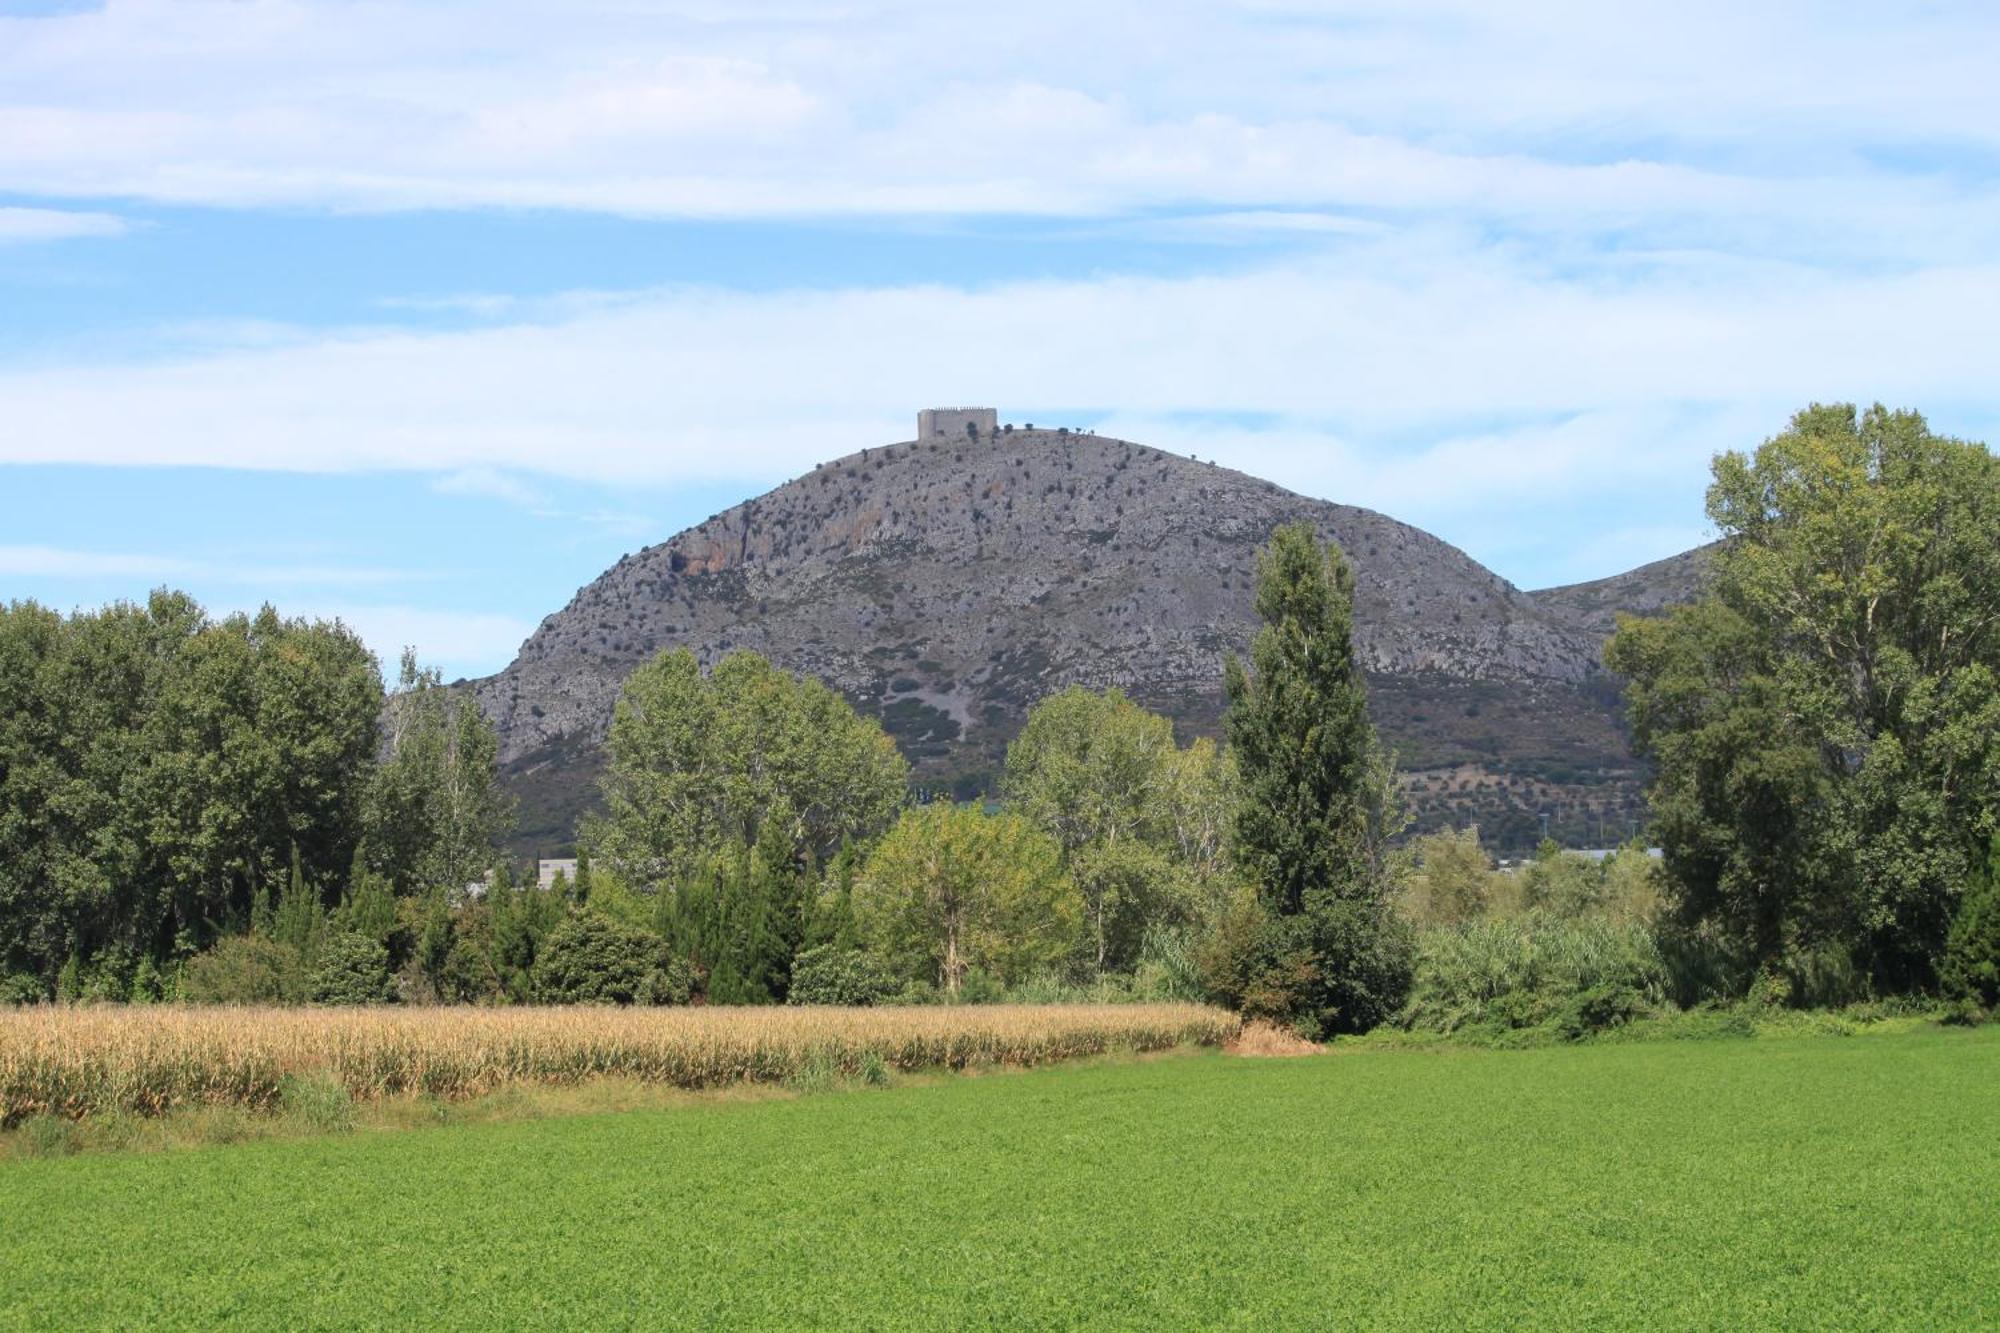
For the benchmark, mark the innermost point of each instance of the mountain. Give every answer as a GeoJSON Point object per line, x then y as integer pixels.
{"type": "Point", "coordinates": [1594, 607]}
{"type": "Point", "coordinates": [946, 584]}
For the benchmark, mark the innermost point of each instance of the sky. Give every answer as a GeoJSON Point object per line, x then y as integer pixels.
{"type": "Point", "coordinates": [421, 315]}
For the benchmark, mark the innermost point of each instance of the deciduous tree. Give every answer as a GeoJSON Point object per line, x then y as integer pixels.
{"type": "Point", "coordinates": [950, 888]}
{"type": "Point", "coordinates": [1826, 718]}
{"type": "Point", "coordinates": [699, 762]}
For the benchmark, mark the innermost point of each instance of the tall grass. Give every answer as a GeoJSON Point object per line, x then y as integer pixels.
{"type": "Point", "coordinates": [149, 1061]}
{"type": "Point", "coordinates": [1538, 968]}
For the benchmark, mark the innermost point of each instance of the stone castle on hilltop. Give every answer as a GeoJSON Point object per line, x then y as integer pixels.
{"type": "Point", "coordinates": [958, 423]}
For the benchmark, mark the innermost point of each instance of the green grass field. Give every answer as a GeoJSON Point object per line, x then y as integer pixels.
{"type": "Point", "coordinates": [1740, 1184]}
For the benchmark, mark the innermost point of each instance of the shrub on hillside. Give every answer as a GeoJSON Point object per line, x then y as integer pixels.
{"type": "Point", "coordinates": [830, 974]}
{"type": "Point", "coordinates": [245, 969]}
{"type": "Point", "coordinates": [591, 959]}
{"type": "Point", "coordinates": [352, 969]}
{"type": "Point", "coordinates": [1575, 975]}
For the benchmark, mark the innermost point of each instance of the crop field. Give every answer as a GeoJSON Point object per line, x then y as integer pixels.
{"type": "Point", "coordinates": [150, 1061]}
{"type": "Point", "coordinates": [1818, 1182]}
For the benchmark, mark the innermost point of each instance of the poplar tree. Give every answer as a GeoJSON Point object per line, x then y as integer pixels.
{"type": "Point", "coordinates": [1317, 800]}
{"type": "Point", "coordinates": [1825, 719]}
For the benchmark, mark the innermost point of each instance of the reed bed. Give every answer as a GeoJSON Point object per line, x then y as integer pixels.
{"type": "Point", "coordinates": [76, 1062]}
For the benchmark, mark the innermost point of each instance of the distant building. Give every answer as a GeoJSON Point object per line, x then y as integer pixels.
{"type": "Point", "coordinates": [958, 423]}
{"type": "Point", "coordinates": [548, 868]}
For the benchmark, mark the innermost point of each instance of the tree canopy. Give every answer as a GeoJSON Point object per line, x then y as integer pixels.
{"type": "Point", "coordinates": [1826, 718]}
{"type": "Point", "coordinates": [1141, 822]}
{"type": "Point", "coordinates": [950, 889]}
{"type": "Point", "coordinates": [1313, 815]}
{"type": "Point", "coordinates": [700, 762]}
{"type": "Point", "coordinates": [1316, 806]}
{"type": "Point", "coordinates": [159, 771]}
{"type": "Point", "coordinates": [435, 810]}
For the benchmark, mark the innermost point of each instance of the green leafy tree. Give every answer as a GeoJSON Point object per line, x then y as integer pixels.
{"type": "Point", "coordinates": [470, 974]}
{"type": "Point", "coordinates": [1561, 882]}
{"type": "Point", "coordinates": [159, 771]}
{"type": "Point", "coordinates": [1126, 889]}
{"type": "Point", "coordinates": [592, 959]}
{"type": "Point", "coordinates": [1141, 823]}
{"type": "Point", "coordinates": [245, 969]}
{"type": "Point", "coordinates": [1091, 768]}
{"type": "Point", "coordinates": [700, 763]}
{"type": "Point", "coordinates": [1971, 971]}
{"type": "Point", "coordinates": [950, 889]}
{"type": "Point", "coordinates": [832, 919]}
{"type": "Point", "coordinates": [1825, 720]}
{"type": "Point", "coordinates": [1317, 804]}
{"type": "Point", "coordinates": [300, 919]}
{"type": "Point", "coordinates": [435, 809]}
{"type": "Point", "coordinates": [369, 907]}
{"type": "Point", "coordinates": [519, 920]}
{"type": "Point", "coordinates": [830, 974]}
{"type": "Point", "coordinates": [352, 969]}
{"type": "Point", "coordinates": [1451, 879]}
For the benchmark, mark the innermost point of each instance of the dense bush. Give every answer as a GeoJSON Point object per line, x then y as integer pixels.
{"type": "Point", "coordinates": [591, 959]}
{"type": "Point", "coordinates": [352, 969]}
{"type": "Point", "coordinates": [1576, 975]}
{"type": "Point", "coordinates": [1339, 966]}
{"type": "Point", "coordinates": [832, 975]}
{"type": "Point", "coordinates": [245, 969]}
{"type": "Point", "coordinates": [1970, 975]}
{"type": "Point", "coordinates": [21, 988]}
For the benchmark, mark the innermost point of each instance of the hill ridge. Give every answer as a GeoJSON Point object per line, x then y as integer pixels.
{"type": "Point", "coordinates": [945, 585]}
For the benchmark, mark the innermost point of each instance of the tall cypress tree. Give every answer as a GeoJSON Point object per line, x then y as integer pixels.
{"type": "Point", "coordinates": [1300, 730]}
{"type": "Point", "coordinates": [1317, 804]}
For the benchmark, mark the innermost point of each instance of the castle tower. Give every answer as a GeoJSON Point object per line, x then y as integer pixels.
{"type": "Point", "coordinates": [957, 423]}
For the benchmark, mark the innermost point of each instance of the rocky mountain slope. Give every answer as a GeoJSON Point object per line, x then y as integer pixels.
{"type": "Point", "coordinates": [1647, 590]}
{"type": "Point", "coordinates": [946, 585]}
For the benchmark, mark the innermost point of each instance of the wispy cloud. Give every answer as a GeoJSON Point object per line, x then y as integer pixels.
{"type": "Point", "coordinates": [1452, 383]}
{"type": "Point", "coordinates": [488, 483]}
{"type": "Point", "coordinates": [1672, 119]}
{"type": "Point", "coordinates": [524, 493]}
{"type": "Point", "coordinates": [63, 563]}
{"type": "Point", "coordinates": [21, 226]}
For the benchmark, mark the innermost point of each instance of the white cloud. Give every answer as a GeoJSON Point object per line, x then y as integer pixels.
{"type": "Point", "coordinates": [20, 226]}
{"type": "Point", "coordinates": [1672, 117]}
{"type": "Point", "coordinates": [487, 483]}
{"type": "Point", "coordinates": [1544, 253]}
{"type": "Point", "coordinates": [1459, 386]}
{"type": "Point", "coordinates": [55, 562]}
{"type": "Point", "coordinates": [65, 563]}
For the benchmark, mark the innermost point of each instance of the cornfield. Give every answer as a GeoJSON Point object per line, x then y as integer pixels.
{"type": "Point", "coordinates": [149, 1061]}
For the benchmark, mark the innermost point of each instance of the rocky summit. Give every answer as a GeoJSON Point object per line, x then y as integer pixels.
{"type": "Point", "coordinates": [945, 585]}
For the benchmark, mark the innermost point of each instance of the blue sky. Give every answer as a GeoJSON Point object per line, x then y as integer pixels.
{"type": "Point", "coordinates": [421, 315]}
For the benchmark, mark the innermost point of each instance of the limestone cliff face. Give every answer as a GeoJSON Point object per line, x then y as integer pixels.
{"type": "Point", "coordinates": [946, 586]}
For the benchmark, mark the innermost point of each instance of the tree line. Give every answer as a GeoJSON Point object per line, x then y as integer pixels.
{"type": "Point", "coordinates": [169, 781]}
{"type": "Point", "coordinates": [240, 810]}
